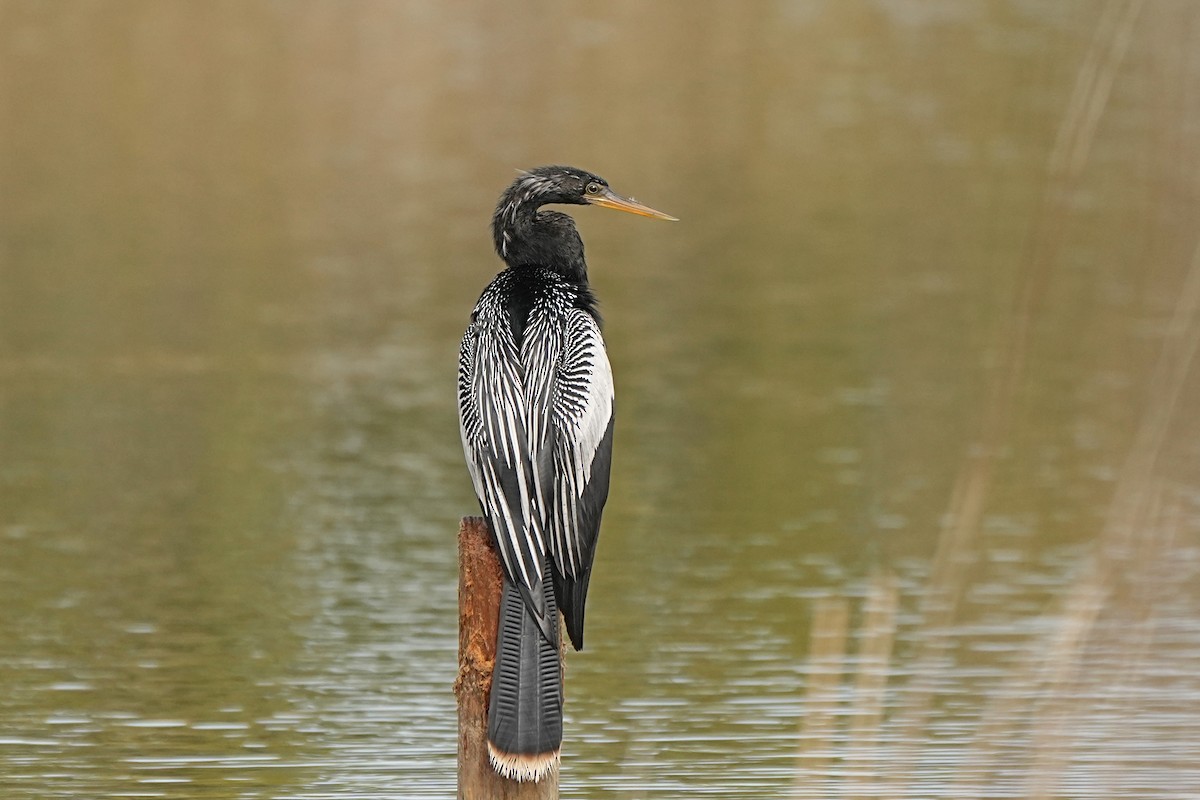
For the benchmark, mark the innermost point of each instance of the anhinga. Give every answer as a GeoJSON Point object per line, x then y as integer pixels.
{"type": "Point", "coordinates": [535, 397]}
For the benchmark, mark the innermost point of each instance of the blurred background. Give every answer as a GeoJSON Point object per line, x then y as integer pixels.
{"type": "Point", "coordinates": [906, 495]}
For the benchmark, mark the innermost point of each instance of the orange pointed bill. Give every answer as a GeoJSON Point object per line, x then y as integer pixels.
{"type": "Point", "coordinates": [610, 199]}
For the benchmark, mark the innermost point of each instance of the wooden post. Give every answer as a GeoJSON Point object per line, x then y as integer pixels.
{"type": "Point", "coordinates": [479, 583]}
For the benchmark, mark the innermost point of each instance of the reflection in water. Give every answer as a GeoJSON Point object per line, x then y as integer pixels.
{"type": "Point", "coordinates": [906, 493]}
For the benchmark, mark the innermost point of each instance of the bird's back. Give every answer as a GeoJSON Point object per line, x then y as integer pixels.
{"type": "Point", "coordinates": [536, 406]}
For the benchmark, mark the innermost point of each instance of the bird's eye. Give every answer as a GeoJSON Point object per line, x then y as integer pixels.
{"type": "Point", "coordinates": [593, 188]}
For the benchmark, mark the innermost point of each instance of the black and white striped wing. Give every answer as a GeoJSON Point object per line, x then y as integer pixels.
{"type": "Point", "coordinates": [582, 416]}
{"type": "Point", "coordinates": [493, 417]}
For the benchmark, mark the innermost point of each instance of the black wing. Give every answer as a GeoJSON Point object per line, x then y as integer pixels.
{"type": "Point", "coordinates": [495, 416]}
{"type": "Point", "coordinates": [582, 416]}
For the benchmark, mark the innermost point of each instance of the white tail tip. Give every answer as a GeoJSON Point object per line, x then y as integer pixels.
{"type": "Point", "coordinates": [523, 766]}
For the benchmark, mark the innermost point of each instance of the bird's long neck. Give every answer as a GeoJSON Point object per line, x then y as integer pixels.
{"type": "Point", "coordinates": [526, 236]}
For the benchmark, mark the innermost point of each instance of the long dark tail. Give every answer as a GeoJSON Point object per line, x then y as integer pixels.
{"type": "Point", "coordinates": [525, 710]}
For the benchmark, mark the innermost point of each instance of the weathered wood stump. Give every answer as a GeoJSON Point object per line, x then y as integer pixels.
{"type": "Point", "coordinates": [480, 580]}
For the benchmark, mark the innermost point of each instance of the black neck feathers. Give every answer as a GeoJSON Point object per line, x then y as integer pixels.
{"type": "Point", "coordinates": [525, 236]}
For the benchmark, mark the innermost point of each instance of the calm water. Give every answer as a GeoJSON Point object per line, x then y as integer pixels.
{"type": "Point", "coordinates": [906, 500]}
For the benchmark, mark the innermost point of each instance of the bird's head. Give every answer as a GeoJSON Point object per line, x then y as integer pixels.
{"type": "Point", "coordinates": [573, 186]}
{"type": "Point", "coordinates": [523, 235]}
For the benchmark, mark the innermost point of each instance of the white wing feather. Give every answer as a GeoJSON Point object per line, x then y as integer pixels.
{"type": "Point", "coordinates": [583, 410]}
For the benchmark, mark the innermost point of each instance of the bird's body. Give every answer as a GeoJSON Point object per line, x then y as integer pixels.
{"type": "Point", "coordinates": [535, 395]}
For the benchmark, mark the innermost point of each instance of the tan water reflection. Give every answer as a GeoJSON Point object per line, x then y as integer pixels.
{"type": "Point", "coordinates": [906, 492]}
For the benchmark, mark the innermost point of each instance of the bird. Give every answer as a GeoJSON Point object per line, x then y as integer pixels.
{"type": "Point", "coordinates": [536, 403]}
